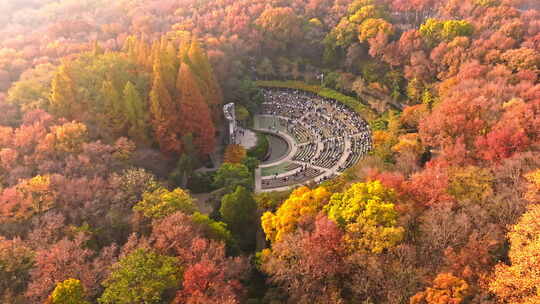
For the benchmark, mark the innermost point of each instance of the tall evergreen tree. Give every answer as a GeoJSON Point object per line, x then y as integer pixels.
{"type": "Point", "coordinates": [63, 95]}
{"type": "Point", "coordinates": [113, 102]}
{"type": "Point", "coordinates": [200, 65]}
{"type": "Point", "coordinates": [170, 63]}
{"type": "Point", "coordinates": [144, 53]}
{"type": "Point", "coordinates": [135, 112]}
{"type": "Point", "coordinates": [130, 47]}
{"type": "Point", "coordinates": [195, 117]}
{"type": "Point", "coordinates": [163, 114]}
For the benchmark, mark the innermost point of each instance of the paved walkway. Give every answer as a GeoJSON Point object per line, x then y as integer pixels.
{"type": "Point", "coordinates": [248, 140]}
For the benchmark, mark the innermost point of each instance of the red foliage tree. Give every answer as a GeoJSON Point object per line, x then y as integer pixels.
{"type": "Point", "coordinates": [310, 266]}
{"type": "Point", "coordinates": [210, 276]}
{"type": "Point", "coordinates": [68, 259]}
{"type": "Point", "coordinates": [517, 129]}
{"type": "Point", "coordinates": [429, 187]}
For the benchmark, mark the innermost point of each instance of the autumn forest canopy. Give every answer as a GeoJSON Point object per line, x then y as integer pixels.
{"type": "Point", "coordinates": [118, 183]}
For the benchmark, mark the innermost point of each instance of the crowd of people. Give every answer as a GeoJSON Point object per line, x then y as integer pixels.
{"type": "Point", "coordinates": [330, 137]}
{"type": "Point", "coordinates": [357, 149]}
{"type": "Point", "coordinates": [305, 173]}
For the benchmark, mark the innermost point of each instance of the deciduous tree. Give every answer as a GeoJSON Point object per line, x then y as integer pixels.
{"type": "Point", "coordinates": [195, 116]}
{"type": "Point", "coordinates": [143, 276]}
{"type": "Point", "coordinates": [446, 289]}
{"type": "Point", "coordinates": [211, 276]}
{"type": "Point", "coordinates": [208, 83]}
{"type": "Point", "coordinates": [16, 261]}
{"type": "Point", "coordinates": [68, 259]}
{"type": "Point", "coordinates": [69, 291]}
{"type": "Point", "coordinates": [309, 265]}
{"type": "Point", "coordinates": [162, 202]}
{"type": "Point", "coordinates": [366, 212]}
{"type": "Point", "coordinates": [136, 113]}
{"type": "Point", "coordinates": [234, 154]}
{"type": "Point", "coordinates": [303, 202]}
{"type": "Point", "coordinates": [229, 176]}
{"type": "Point", "coordinates": [63, 97]}
{"type": "Point", "coordinates": [238, 210]}
{"type": "Point", "coordinates": [164, 115]}
{"type": "Point", "coordinates": [518, 282]}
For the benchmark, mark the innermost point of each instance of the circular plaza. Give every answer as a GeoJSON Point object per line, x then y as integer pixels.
{"type": "Point", "coordinates": [311, 139]}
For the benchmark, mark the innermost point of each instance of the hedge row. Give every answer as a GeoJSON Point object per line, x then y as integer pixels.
{"type": "Point", "coordinates": [366, 112]}
{"type": "Point", "coordinates": [261, 149]}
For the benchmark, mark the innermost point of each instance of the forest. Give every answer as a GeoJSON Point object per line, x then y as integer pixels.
{"type": "Point", "coordinates": [111, 121]}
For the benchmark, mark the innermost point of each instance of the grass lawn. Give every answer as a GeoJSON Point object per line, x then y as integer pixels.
{"type": "Point", "coordinates": [281, 168]}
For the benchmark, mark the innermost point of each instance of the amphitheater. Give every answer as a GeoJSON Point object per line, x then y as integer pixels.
{"type": "Point", "coordinates": [311, 139]}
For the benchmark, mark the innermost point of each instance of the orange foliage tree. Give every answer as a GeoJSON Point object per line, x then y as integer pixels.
{"type": "Point", "coordinates": [164, 114]}
{"type": "Point", "coordinates": [195, 116]}
{"type": "Point", "coordinates": [234, 154]}
{"type": "Point", "coordinates": [210, 88]}
{"type": "Point", "coordinates": [446, 289]}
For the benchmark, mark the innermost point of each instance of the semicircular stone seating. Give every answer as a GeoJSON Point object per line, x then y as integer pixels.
{"type": "Point", "coordinates": [328, 136]}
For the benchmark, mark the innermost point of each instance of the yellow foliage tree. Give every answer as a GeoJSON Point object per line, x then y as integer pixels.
{"type": "Point", "coordinates": [66, 138]}
{"type": "Point", "coordinates": [62, 98]}
{"type": "Point", "coordinates": [409, 142]}
{"type": "Point", "coordinates": [533, 193]}
{"type": "Point", "coordinates": [70, 136]}
{"type": "Point", "coordinates": [366, 12]}
{"type": "Point", "coordinates": [303, 201]}
{"type": "Point", "coordinates": [37, 194]}
{"type": "Point", "coordinates": [371, 27]}
{"type": "Point", "coordinates": [471, 184]}
{"type": "Point", "coordinates": [367, 213]}
{"type": "Point", "coordinates": [412, 115]}
{"type": "Point", "coordinates": [162, 202]}
{"type": "Point", "coordinates": [69, 291]}
{"type": "Point", "coordinates": [384, 140]}
{"type": "Point", "coordinates": [519, 282]}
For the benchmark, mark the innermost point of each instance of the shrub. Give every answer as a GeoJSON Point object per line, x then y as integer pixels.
{"type": "Point", "coordinates": [201, 182]}
{"type": "Point", "coordinates": [261, 149]}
